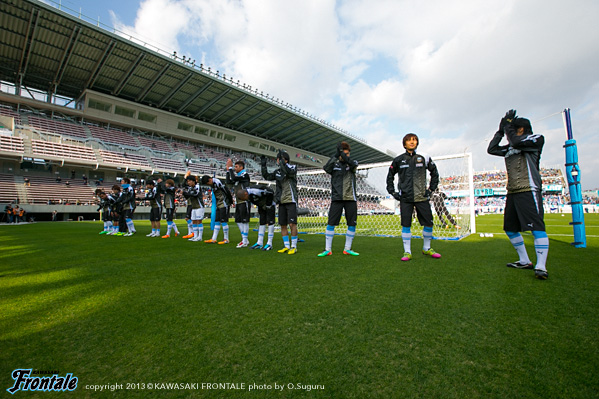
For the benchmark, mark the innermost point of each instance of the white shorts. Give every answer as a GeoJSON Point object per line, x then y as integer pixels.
{"type": "Point", "coordinates": [197, 214]}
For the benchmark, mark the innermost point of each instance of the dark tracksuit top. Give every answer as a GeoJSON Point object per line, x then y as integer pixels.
{"type": "Point", "coordinates": [411, 169]}
{"type": "Point", "coordinates": [239, 181]}
{"type": "Point", "coordinates": [221, 193]}
{"type": "Point", "coordinates": [343, 178]}
{"type": "Point", "coordinates": [522, 157]}
{"type": "Point", "coordinates": [194, 196]}
{"type": "Point", "coordinates": [286, 179]}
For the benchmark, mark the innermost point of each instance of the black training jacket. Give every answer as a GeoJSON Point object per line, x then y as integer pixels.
{"type": "Point", "coordinates": [411, 169]}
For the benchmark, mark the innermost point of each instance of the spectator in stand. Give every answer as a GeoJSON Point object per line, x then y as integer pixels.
{"type": "Point", "coordinates": [72, 174]}
{"type": "Point", "coordinates": [58, 179]}
{"type": "Point", "coordinates": [55, 215]}
{"type": "Point", "coordinates": [26, 182]}
{"type": "Point", "coordinates": [84, 180]}
{"type": "Point", "coordinates": [68, 183]}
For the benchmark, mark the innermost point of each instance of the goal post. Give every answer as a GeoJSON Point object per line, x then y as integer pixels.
{"type": "Point", "coordinates": [378, 212]}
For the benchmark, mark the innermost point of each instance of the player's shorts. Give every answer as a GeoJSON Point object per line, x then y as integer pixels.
{"type": "Point", "coordinates": [188, 213]}
{"type": "Point", "coordinates": [222, 215]}
{"type": "Point", "coordinates": [127, 213]}
{"type": "Point", "coordinates": [170, 213]}
{"type": "Point", "coordinates": [197, 214]}
{"type": "Point", "coordinates": [287, 214]}
{"type": "Point", "coordinates": [267, 216]}
{"type": "Point", "coordinates": [423, 212]}
{"type": "Point", "coordinates": [336, 209]}
{"type": "Point", "coordinates": [524, 211]}
{"type": "Point", "coordinates": [155, 214]}
{"type": "Point", "coordinates": [106, 216]}
{"type": "Point", "coordinates": [242, 212]}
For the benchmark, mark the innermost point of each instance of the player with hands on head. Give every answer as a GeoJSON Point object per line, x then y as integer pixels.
{"type": "Point", "coordinates": [524, 201]}
{"type": "Point", "coordinates": [343, 198]}
{"type": "Point", "coordinates": [193, 192]}
{"type": "Point", "coordinates": [239, 179]}
{"type": "Point", "coordinates": [223, 202]}
{"type": "Point", "coordinates": [413, 193]}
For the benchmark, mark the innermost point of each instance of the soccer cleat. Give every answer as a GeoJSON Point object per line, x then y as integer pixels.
{"type": "Point", "coordinates": [282, 251]}
{"type": "Point", "coordinates": [267, 247]}
{"type": "Point", "coordinates": [210, 241]}
{"type": "Point", "coordinates": [431, 252]}
{"type": "Point", "coordinates": [541, 274]}
{"type": "Point", "coordinates": [241, 245]}
{"type": "Point", "coordinates": [256, 246]}
{"type": "Point", "coordinates": [223, 242]}
{"type": "Point", "coordinates": [103, 232]}
{"type": "Point", "coordinates": [150, 235]}
{"type": "Point", "coordinates": [119, 234]}
{"type": "Point", "coordinates": [188, 236]}
{"type": "Point", "coordinates": [128, 234]}
{"type": "Point", "coordinates": [166, 236]}
{"type": "Point", "coordinates": [350, 252]}
{"type": "Point", "coordinates": [325, 253]}
{"type": "Point", "coordinates": [406, 257]}
{"type": "Point", "coordinates": [518, 265]}
{"type": "Point", "coordinates": [292, 251]}
{"type": "Point", "coordinates": [176, 233]}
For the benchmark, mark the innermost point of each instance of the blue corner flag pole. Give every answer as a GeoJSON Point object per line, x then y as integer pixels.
{"type": "Point", "coordinates": [573, 177]}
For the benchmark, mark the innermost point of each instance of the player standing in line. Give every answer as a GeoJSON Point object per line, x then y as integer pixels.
{"type": "Point", "coordinates": [524, 202]}
{"type": "Point", "coordinates": [223, 202]}
{"type": "Point", "coordinates": [263, 198]}
{"type": "Point", "coordinates": [169, 190]}
{"type": "Point", "coordinates": [188, 215]}
{"type": "Point", "coordinates": [153, 195]}
{"type": "Point", "coordinates": [413, 193]}
{"type": "Point", "coordinates": [116, 211]}
{"type": "Point", "coordinates": [240, 179]}
{"type": "Point", "coordinates": [286, 196]}
{"type": "Point", "coordinates": [127, 199]}
{"type": "Point", "coordinates": [104, 206]}
{"type": "Point", "coordinates": [195, 197]}
{"type": "Point", "coordinates": [343, 197]}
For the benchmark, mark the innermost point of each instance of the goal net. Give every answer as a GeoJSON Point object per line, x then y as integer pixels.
{"type": "Point", "coordinates": [378, 212]}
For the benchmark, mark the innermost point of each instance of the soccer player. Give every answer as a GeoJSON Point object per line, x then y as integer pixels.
{"type": "Point", "coordinates": [286, 196]}
{"type": "Point", "coordinates": [240, 179]}
{"type": "Point", "coordinates": [116, 209]}
{"type": "Point", "coordinates": [195, 197]}
{"type": "Point", "coordinates": [127, 200]}
{"type": "Point", "coordinates": [170, 190]}
{"type": "Point", "coordinates": [411, 167]}
{"type": "Point", "coordinates": [524, 203]}
{"type": "Point", "coordinates": [438, 198]}
{"type": "Point", "coordinates": [154, 196]}
{"type": "Point", "coordinates": [263, 198]}
{"type": "Point", "coordinates": [104, 206]}
{"type": "Point", "coordinates": [223, 201]}
{"type": "Point", "coordinates": [343, 197]}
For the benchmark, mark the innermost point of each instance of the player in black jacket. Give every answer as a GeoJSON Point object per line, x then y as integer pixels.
{"type": "Point", "coordinates": [263, 198]}
{"type": "Point", "coordinates": [413, 193]}
{"type": "Point", "coordinates": [170, 190]}
{"type": "Point", "coordinates": [343, 197]}
{"type": "Point", "coordinates": [153, 195]}
{"type": "Point", "coordinates": [524, 203]}
{"type": "Point", "coordinates": [104, 206]}
{"type": "Point", "coordinates": [239, 178]}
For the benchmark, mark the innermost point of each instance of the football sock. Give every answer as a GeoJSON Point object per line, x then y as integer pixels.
{"type": "Point", "coordinates": [175, 228]}
{"type": "Point", "coordinates": [189, 226]}
{"type": "Point", "coordinates": [225, 231]}
{"type": "Point", "coordinates": [518, 243]}
{"type": "Point", "coordinates": [130, 226]}
{"type": "Point", "coordinates": [406, 236]}
{"type": "Point", "coordinates": [216, 230]}
{"type": "Point", "coordinates": [293, 241]}
{"type": "Point", "coordinates": [200, 230]}
{"type": "Point", "coordinates": [329, 234]}
{"type": "Point", "coordinates": [245, 232]}
{"type": "Point", "coordinates": [286, 241]}
{"type": "Point", "coordinates": [427, 234]}
{"type": "Point", "coordinates": [349, 237]}
{"type": "Point", "coordinates": [541, 248]}
{"type": "Point", "coordinates": [261, 230]}
{"type": "Point", "coordinates": [271, 234]}
{"type": "Point", "coordinates": [169, 227]}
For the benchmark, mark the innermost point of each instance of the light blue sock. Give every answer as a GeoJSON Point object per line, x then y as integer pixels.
{"type": "Point", "coordinates": [349, 237]}
{"type": "Point", "coordinates": [427, 234]}
{"type": "Point", "coordinates": [406, 237]}
{"type": "Point", "coordinates": [329, 234]}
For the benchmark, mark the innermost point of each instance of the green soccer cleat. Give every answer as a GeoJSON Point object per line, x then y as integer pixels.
{"type": "Point", "coordinates": [103, 232]}
{"type": "Point", "coordinates": [325, 253]}
{"type": "Point", "coordinates": [431, 252]}
{"type": "Point", "coordinates": [350, 252]}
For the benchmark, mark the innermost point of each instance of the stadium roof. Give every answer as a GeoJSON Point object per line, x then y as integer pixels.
{"type": "Point", "coordinates": [47, 49]}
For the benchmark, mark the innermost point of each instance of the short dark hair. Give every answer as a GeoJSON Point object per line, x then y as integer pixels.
{"type": "Point", "coordinates": [240, 163]}
{"type": "Point", "coordinates": [205, 179]}
{"type": "Point", "coordinates": [345, 146]}
{"type": "Point", "coordinates": [126, 180]}
{"type": "Point", "coordinates": [191, 177]}
{"type": "Point", "coordinates": [285, 155]}
{"type": "Point", "coordinates": [523, 122]}
{"type": "Point", "coordinates": [116, 187]}
{"type": "Point", "coordinates": [408, 137]}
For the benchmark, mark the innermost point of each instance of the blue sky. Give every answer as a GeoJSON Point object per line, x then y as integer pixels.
{"type": "Point", "coordinates": [445, 69]}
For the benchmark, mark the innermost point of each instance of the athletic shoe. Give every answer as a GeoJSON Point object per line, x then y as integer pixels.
{"type": "Point", "coordinates": [301, 240]}
{"type": "Point", "coordinates": [431, 252]}
{"type": "Point", "coordinates": [256, 246]}
{"type": "Point", "coordinates": [282, 251]}
{"type": "Point", "coordinates": [406, 256]}
{"type": "Point", "coordinates": [350, 252]}
{"type": "Point", "coordinates": [241, 245]}
{"type": "Point", "coordinates": [541, 274]}
{"type": "Point", "coordinates": [128, 234]}
{"type": "Point", "coordinates": [150, 235]}
{"type": "Point", "coordinates": [192, 239]}
{"type": "Point", "coordinates": [325, 253]}
{"type": "Point", "coordinates": [518, 265]}
{"type": "Point", "coordinates": [176, 233]}
{"type": "Point", "coordinates": [223, 242]}
{"type": "Point", "coordinates": [195, 239]}
{"type": "Point", "coordinates": [292, 251]}
{"type": "Point", "coordinates": [267, 247]}
{"type": "Point", "coordinates": [188, 236]}
{"type": "Point", "coordinates": [210, 241]}
{"type": "Point", "coordinates": [166, 236]}
{"type": "Point", "coordinates": [119, 234]}
{"type": "Point", "coordinates": [103, 232]}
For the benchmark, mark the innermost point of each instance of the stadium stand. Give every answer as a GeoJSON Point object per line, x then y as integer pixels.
{"type": "Point", "coordinates": [61, 150]}
{"type": "Point", "coordinates": [168, 164]}
{"type": "Point", "coordinates": [155, 145]}
{"type": "Point", "coordinates": [126, 158]}
{"type": "Point", "coordinates": [8, 189]}
{"type": "Point", "coordinates": [113, 136]}
{"type": "Point", "coordinates": [45, 190]}
{"type": "Point", "coordinates": [11, 144]}
{"type": "Point", "coordinates": [57, 127]}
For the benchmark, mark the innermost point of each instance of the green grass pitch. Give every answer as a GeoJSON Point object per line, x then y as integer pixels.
{"type": "Point", "coordinates": [137, 310]}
